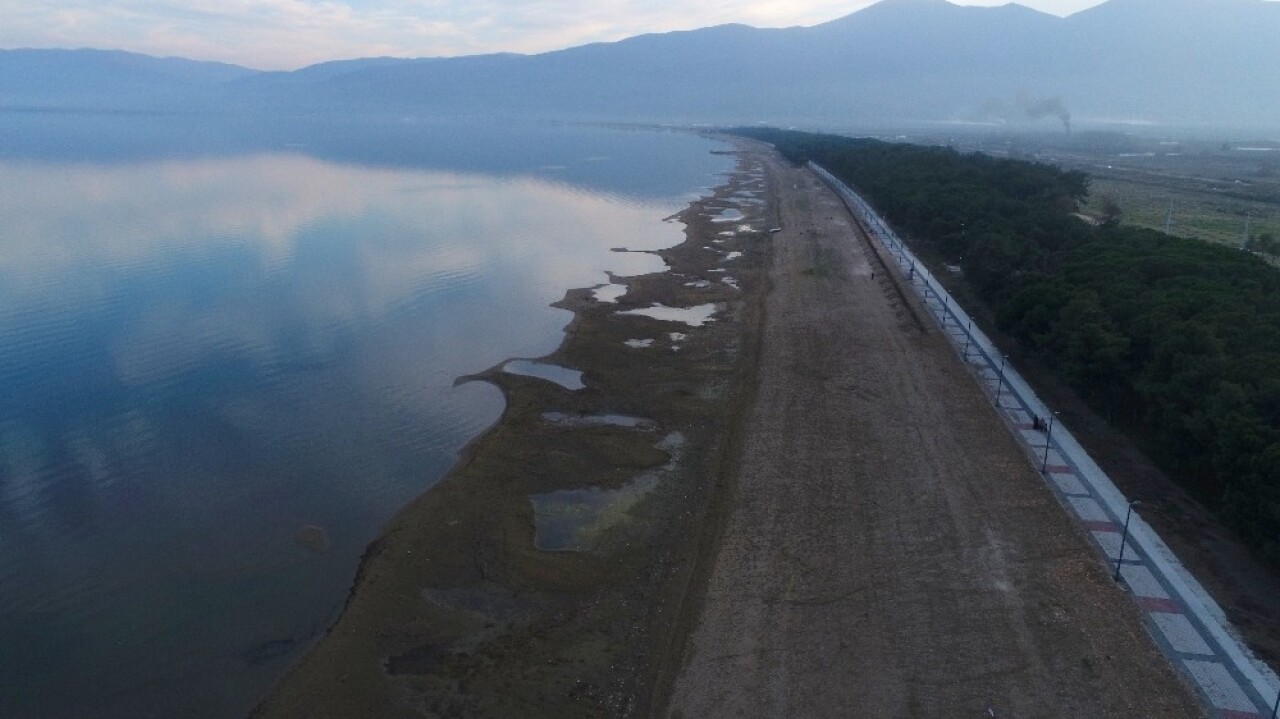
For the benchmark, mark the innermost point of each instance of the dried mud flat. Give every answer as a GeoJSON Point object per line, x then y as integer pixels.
{"type": "Point", "coordinates": [548, 574]}
{"type": "Point", "coordinates": [889, 552]}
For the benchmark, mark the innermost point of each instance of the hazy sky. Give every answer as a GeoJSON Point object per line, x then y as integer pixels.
{"type": "Point", "coordinates": [285, 34]}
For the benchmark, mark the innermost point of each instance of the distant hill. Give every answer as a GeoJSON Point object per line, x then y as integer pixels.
{"type": "Point", "coordinates": [1214, 62]}
{"type": "Point", "coordinates": [108, 79]}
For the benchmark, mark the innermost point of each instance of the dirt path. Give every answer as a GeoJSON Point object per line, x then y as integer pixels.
{"type": "Point", "coordinates": [890, 553]}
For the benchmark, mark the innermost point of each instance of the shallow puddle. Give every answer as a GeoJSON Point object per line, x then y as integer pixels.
{"type": "Point", "coordinates": [597, 420]}
{"type": "Point", "coordinates": [492, 603]}
{"type": "Point", "coordinates": [608, 293]}
{"type": "Point", "coordinates": [672, 443]}
{"type": "Point", "coordinates": [692, 316]}
{"type": "Point", "coordinates": [570, 379]}
{"type": "Point", "coordinates": [639, 344]}
{"type": "Point", "coordinates": [628, 263]}
{"type": "Point", "coordinates": [729, 215]}
{"type": "Point", "coordinates": [731, 256]}
{"type": "Point", "coordinates": [573, 520]}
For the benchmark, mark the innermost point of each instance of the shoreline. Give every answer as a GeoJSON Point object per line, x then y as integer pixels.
{"type": "Point", "coordinates": [524, 581]}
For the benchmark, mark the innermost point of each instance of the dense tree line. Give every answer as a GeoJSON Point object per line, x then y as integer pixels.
{"type": "Point", "coordinates": [1177, 340]}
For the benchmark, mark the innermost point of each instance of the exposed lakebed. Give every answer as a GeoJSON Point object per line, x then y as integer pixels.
{"type": "Point", "coordinates": [548, 572]}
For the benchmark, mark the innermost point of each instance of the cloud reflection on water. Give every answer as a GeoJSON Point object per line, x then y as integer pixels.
{"type": "Point", "coordinates": [199, 356]}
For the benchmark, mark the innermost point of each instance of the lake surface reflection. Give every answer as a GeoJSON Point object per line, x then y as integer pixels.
{"type": "Point", "coordinates": [224, 365]}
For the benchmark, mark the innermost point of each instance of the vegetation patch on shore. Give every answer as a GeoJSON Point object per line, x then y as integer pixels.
{"type": "Point", "coordinates": [554, 570]}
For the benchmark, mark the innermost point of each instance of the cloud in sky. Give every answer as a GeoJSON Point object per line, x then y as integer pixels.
{"type": "Point", "coordinates": [285, 34]}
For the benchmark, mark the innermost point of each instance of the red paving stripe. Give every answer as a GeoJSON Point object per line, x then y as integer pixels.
{"type": "Point", "coordinates": [1100, 525]}
{"type": "Point", "coordinates": [1232, 714]}
{"type": "Point", "coordinates": [1159, 605]}
{"type": "Point", "coordinates": [1024, 425]}
{"type": "Point", "coordinates": [1058, 469]}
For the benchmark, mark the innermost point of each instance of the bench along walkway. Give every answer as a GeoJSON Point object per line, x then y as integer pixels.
{"type": "Point", "coordinates": [1184, 620]}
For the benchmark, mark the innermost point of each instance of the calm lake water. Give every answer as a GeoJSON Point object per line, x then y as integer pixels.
{"type": "Point", "coordinates": [227, 351]}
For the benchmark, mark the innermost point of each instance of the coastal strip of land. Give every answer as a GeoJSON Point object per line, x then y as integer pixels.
{"type": "Point", "coordinates": [554, 571]}
{"type": "Point", "coordinates": [889, 550]}
{"type": "Point", "coordinates": [804, 506]}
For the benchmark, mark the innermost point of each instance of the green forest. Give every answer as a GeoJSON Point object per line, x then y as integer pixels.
{"type": "Point", "coordinates": [1176, 340]}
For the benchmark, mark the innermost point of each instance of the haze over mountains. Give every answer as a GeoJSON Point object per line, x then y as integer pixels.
{"type": "Point", "coordinates": [1207, 62]}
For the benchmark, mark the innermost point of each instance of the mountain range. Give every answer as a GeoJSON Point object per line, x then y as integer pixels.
{"type": "Point", "coordinates": [1205, 62]}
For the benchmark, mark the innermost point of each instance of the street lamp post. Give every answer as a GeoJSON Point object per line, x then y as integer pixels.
{"type": "Point", "coordinates": [1044, 465]}
{"type": "Point", "coordinates": [1124, 538]}
{"type": "Point", "coordinates": [1000, 381]}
